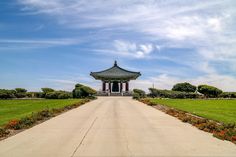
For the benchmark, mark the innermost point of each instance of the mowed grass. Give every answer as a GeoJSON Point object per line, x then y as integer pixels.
{"type": "Point", "coordinates": [218, 110]}
{"type": "Point", "coordinates": [16, 109]}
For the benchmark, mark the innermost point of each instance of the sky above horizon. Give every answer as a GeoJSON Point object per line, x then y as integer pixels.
{"type": "Point", "coordinates": [57, 43]}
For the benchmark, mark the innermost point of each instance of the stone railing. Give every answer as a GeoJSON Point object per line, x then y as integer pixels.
{"type": "Point", "coordinates": [102, 93]}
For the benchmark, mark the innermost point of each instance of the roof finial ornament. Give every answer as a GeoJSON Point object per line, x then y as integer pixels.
{"type": "Point", "coordinates": [115, 63]}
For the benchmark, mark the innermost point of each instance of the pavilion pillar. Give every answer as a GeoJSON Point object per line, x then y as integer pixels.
{"type": "Point", "coordinates": [103, 86]}
{"type": "Point", "coordinates": [109, 86]}
{"type": "Point", "coordinates": [127, 86]}
{"type": "Point", "coordinates": [121, 86]}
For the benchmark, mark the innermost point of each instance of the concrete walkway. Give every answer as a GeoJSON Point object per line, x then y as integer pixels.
{"type": "Point", "coordinates": [114, 126]}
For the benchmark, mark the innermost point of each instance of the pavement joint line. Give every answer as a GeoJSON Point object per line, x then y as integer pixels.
{"type": "Point", "coordinates": [84, 137]}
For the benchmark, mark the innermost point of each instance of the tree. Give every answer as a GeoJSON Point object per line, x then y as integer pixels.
{"type": "Point", "coordinates": [52, 95]}
{"type": "Point", "coordinates": [172, 94]}
{"type": "Point", "coordinates": [209, 91]}
{"type": "Point", "coordinates": [82, 91]}
{"type": "Point", "coordinates": [6, 94]}
{"type": "Point", "coordinates": [47, 90]}
{"type": "Point", "coordinates": [20, 92]}
{"type": "Point", "coordinates": [138, 93]}
{"type": "Point", "coordinates": [184, 87]}
{"type": "Point", "coordinates": [228, 95]}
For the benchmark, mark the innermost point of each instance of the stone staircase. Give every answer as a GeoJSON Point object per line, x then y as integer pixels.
{"type": "Point", "coordinates": [100, 93]}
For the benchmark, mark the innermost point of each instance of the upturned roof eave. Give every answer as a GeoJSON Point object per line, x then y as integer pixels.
{"type": "Point", "coordinates": [115, 72]}
{"type": "Point", "coordinates": [114, 77]}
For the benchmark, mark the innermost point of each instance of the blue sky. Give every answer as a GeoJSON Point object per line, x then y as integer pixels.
{"type": "Point", "coordinates": [57, 43]}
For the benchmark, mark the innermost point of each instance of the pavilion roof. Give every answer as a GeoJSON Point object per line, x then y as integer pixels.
{"type": "Point", "coordinates": [115, 73]}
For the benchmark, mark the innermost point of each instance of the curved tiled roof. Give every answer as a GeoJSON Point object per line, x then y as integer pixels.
{"type": "Point", "coordinates": [115, 73]}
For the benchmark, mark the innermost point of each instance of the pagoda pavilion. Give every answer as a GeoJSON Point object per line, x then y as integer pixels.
{"type": "Point", "coordinates": [115, 80]}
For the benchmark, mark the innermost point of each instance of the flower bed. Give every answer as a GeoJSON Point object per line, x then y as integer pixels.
{"type": "Point", "coordinates": [15, 125]}
{"type": "Point", "coordinates": [219, 130]}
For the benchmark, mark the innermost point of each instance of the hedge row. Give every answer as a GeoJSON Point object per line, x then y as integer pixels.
{"type": "Point", "coordinates": [172, 94]}
{"type": "Point", "coordinates": [80, 91]}
{"type": "Point", "coordinates": [58, 95]}
{"type": "Point", "coordinates": [228, 95]}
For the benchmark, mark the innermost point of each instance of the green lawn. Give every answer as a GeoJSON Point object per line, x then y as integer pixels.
{"type": "Point", "coordinates": [218, 110]}
{"type": "Point", "coordinates": [16, 109]}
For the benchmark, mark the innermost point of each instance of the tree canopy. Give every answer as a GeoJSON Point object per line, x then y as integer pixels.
{"type": "Point", "coordinates": [82, 91]}
{"type": "Point", "coordinates": [209, 91]}
{"type": "Point", "coordinates": [47, 90]}
{"type": "Point", "coordinates": [184, 87]}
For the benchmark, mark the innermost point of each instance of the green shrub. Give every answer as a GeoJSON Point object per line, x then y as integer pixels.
{"type": "Point", "coordinates": [20, 92]}
{"type": "Point", "coordinates": [171, 94]}
{"type": "Point", "coordinates": [34, 94]}
{"type": "Point", "coordinates": [20, 95]}
{"type": "Point", "coordinates": [136, 96]}
{"type": "Point", "coordinates": [45, 113]}
{"type": "Point", "coordinates": [209, 91]}
{"type": "Point", "coordinates": [46, 90]}
{"type": "Point", "coordinates": [27, 121]}
{"type": "Point", "coordinates": [7, 94]}
{"type": "Point", "coordinates": [4, 132]}
{"type": "Point", "coordinates": [65, 95]}
{"type": "Point", "coordinates": [52, 95]}
{"type": "Point", "coordinates": [138, 93]}
{"type": "Point", "coordinates": [82, 91]}
{"type": "Point", "coordinates": [184, 87]}
{"type": "Point", "coordinates": [228, 95]}
{"type": "Point", "coordinates": [58, 95]}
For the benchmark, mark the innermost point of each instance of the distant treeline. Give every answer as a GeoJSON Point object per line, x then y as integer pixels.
{"type": "Point", "coordinates": [80, 91]}
{"type": "Point", "coordinates": [185, 90]}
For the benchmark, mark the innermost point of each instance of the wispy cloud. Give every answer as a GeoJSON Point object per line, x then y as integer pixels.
{"type": "Point", "coordinates": [38, 43]}
{"type": "Point", "coordinates": [60, 81]}
{"type": "Point", "coordinates": [130, 49]}
{"type": "Point", "coordinates": [202, 25]}
{"type": "Point", "coordinates": [199, 34]}
{"type": "Point", "coordinates": [39, 27]}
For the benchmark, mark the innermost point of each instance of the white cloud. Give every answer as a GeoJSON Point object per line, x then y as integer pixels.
{"type": "Point", "coordinates": [206, 27]}
{"type": "Point", "coordinates": [39, 27]}
{"type": "Point", "coordinates": [126, 48]}
{"type": "Point", "coordinates": [215, 24]}
{"type": "Point", "coordinates": [199, 24]}
{"type": "Point", "coordinates": [121, 48]}
{"type": "Point", "coordinates": [37, 43]}
{"type": "Point", "coordinates": [60, 81]}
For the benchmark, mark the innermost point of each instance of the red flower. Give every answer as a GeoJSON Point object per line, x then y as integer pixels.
{"type": "Point", "coordinates": [11, 124]}
{"type": "Point", "coordinates": [233, 138]}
